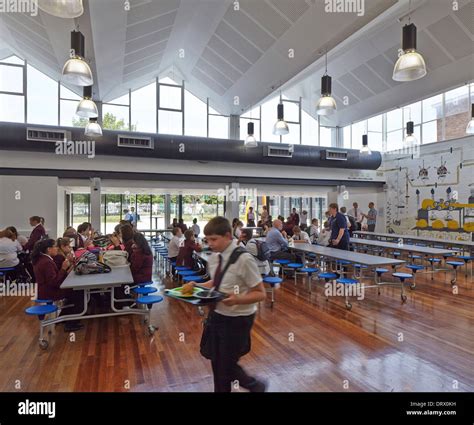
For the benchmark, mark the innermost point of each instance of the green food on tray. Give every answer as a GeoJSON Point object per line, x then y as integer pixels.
{"type": "Point", "coordinates": [178, 292]}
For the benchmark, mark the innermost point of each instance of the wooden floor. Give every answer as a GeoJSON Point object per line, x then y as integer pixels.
{"type": "Point", "coordinates": [304, 344]}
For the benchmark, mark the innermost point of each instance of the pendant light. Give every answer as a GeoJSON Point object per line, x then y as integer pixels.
{"type": "Point", "coordinates": [62, 8]}
{"type": "Point", "coordinates": [410, 65]}
{"type": "Point", "coordinates": [93, 129]}
{"type": "Point", "coordinates": [365, 151]}
{"type": "Point", "coordinates": [281, 127]}
{"type": "Point", "coordinates": [86, 107]}
{"type": "Point", "coordinates": [326, 104]}
{"type": "Point", "coordinates": [76, 70]}
{"type": "Point", "coordinates": [250, 141]}
{"type": "Point", "coordinates": [470, 124]}
{"type": "Point", "coordinates": [410, 138]}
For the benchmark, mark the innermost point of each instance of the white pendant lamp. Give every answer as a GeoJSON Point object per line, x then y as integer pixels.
{"type": "Point", "coordinates": [87, 107]}
{"type": "Point", "coordinates": [470, 124]}
{"type": "Point", "coordinates": [326, 104]}
{"type": "Point", "coordinates": [62, 8]}
{"type": "Point", "coordinates": [365, 150]}
{"type": "Point", "coordinates": [281, 127]}
{"type": "Point", "coordinates": [410, 65]}
{"type": "Point", "coordinates": [93, 129]}
{"type": "Point", "coordinates": [410, 139]}
{"type": "Point", "coordinates": [76, 70]}
{"type": "Point", "coordinates": [250, 141]}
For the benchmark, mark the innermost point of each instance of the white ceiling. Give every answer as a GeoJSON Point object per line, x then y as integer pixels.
{"type": "Point", "coordinates": [244, 53]}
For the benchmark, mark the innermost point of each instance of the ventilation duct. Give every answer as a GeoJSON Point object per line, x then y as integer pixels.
{"type": "Point", "coordinates": [134, 142]}
{"type": "Point", "coordinates": [47, 135]}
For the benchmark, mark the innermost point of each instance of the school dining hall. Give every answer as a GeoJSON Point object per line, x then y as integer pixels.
{"type": "Point", "coordinates": [247, 196]}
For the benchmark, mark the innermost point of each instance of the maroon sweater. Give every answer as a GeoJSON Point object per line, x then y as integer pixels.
{"type": "Point", "coordinates": [141, 266]}
{"type": "Point", "coordinates": [36, 234]}
{"type": "Point", "coordinates": [185, 256]}
{"type": "Point", "coordinates": [49, 279]}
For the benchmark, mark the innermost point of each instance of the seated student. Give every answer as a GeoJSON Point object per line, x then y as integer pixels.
{"type": "Point", "coordinates": [314, 230]}
{"type": "Point", "coordinates": [266, 228]}
{"type": "Point", "coordinates": [20, 239]}
{"type": "Point", "coordinates": [141, 260]}
{"type": "Point", "coordinates": [175, 243]}
{"type": "Point", "coordinates": [37, 233]}
{"type": "Point", "coordinates": [246, 241]}
{"type": "Point", "coordinates": [84, 237]}
{"type": "Point", "coordinates": [71, 233]}
{"type": "Point", "coordinates": [49, 279]}
{"type": "Point", "coordinates": [185, 256]}
{"type": "Point", "coordinates": [181, 225]}
{"type": "Point", "coordinates": [64, 252]}
{"type": "Point", "coordinates": [124, 240]}
{"type": "Point", "coordinates": [288, 226]}
{"type": "Point", "coordinates": [173, 224]}
{"type": "Point", "coordinates": [237, 229]}
{"type": "Point", "coordinates": [9, 249]}
{"type": "Point", "coordinates": [325, 235]}
{"type": "Point", "coordinates": [300, 235]}
{"type": "Point", "coordinates": [195, 228]}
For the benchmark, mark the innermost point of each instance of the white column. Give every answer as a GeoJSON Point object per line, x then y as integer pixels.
{"type": "Point", "coordinates": [232, 201]}
{"type": "Point", "coordinates": [167, 210]}
{"type": "Point", "coordinates": [95, 203]}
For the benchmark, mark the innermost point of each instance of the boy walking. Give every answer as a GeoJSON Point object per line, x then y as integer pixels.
{"type": "Point", "coordinates": [226, 335]}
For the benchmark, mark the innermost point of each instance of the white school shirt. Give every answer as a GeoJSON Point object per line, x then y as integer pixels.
{"type": "Point", "coordinates": [303, 237]}
{"type": "Point", "coordinates": [251, 246]}
{"type": "Point", "coordinates": [358, 216]}
{"type": "Point", "coordinates": [196, 229]}
{"type": "Point", "coordinates": [8, 252]}
{"type": "Point", "coordinates": [241, 276]}
{"type": "Point", "coordinates": [173, 246]}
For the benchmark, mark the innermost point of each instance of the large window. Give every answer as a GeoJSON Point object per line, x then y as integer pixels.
{"type": "Point", "coordinates": [143, 109]}
{"type": "Point", "coordinates": [254, 115]}
{"type": "Point", "coordinates": [432, 112]}
{"type": "Point", "coordinates": [309, 129]}
{"type": "Point", "coordinates": [195, 116]}
{"type": "Point", "coordinates": [80, 209]}
{"type": "Point", "coordinates": [457, 112]}
{"type": "Point", "coordinates": [42, 96]}
{"type": "Point", "coordinates": [218, 124]}
{"type": "Point", "coordinates": [170, 107]}
{"type": "Point", "coordinates": [68, 102]}
{"type": "Point", "coordinates": [12, 90]}
{"type": "Point", "coordinates": [116, 114]}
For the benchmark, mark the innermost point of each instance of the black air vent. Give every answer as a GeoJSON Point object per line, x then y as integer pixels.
{"type": "Point", "coordinates": [47, 135]}
{"type": "Point", "coordinates": [134, 142]}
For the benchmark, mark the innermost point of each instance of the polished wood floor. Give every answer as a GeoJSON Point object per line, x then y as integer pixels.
{"type": "Point", "coordinates": [304, 344]}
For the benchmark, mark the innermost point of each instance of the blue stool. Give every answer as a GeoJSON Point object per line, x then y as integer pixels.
{"type": "Point", "coordinates": [309, 271]}
{"type": "Point", "coordinates": [4, 271]}
{"type": "Point", "coordinates": [148, 301]}
{"type": "Point", "coordinates": [414, 268]}
{"type": "Point", "coordinates": [415, 257]}
{"type": "Point", "coordinates": [402, 277]}
{"type": "Point", "coordinates": [144, 290]}
{"type": "Point", "coordinates": [294, 267]}
{"type": "Point", "coordinates": [340, 266]}
{"type": "Point", "coordinates": [467, 259]}
{"type": "Point", "coordinates": [327, 276]}
{"type": "Point", "coordinates": [455, 265]}
{"type": "Point", "coordinates": [272, 281]}
{"type": "Point", "coordinates": [182, 268]}
{"type": "Point", "coordinates": [379, 271]}
{"type": "Point", "coordinates": [433, 261]}
{"type": "Point", "coordinates": [396, 254]}
{"type": "Point", "coordinates": [358, 269]}
{"type": "Point", "coordinates": [193, 278]}
{"type": "Point", "coordinates": [347, 281]}
{"type": "Point", "coordinates": [40, 311]}
{"type": "Point", "coordinates": [281, 265]}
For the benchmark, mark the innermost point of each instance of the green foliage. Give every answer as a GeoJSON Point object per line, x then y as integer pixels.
{"type": "Point", "coordinates": [109, 122]}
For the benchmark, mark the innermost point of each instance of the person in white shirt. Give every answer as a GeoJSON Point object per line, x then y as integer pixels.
{"type": "Point", "coordinates": [175, 243]}
{"type": "Point", "coordinates": [300, 235]}
{"type": "Point", "coordinates": [9, 248]}
{"type": "Point", "coordinates": [314, 230]}
{"type": "Point", "coordinates": [195, 228]}
{"type": "Point", "coordinates": [303, 218]}
{"type": "Point", "coordinates": [226, 333]}
{"type": "Point", "coordinates": [344, 213]}
{"type": "Point", "coordinates": [358, 215]}
{"type": "Point", "coordinates": [325, 235]}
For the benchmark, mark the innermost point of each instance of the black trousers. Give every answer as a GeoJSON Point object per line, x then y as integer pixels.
{"type": "Point", "coordinates": [371, 227]}
{"type": "Point", "coordinates": [225, 340]}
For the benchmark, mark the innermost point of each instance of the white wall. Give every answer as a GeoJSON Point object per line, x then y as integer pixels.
{"type": "Point", "coordinates": [21, 197]}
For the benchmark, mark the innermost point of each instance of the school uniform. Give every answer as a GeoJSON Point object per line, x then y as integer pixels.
{"type": "Point", "coordinates": [313, 233]}
{"type": "Point", "coordinates": [250, 219]}
{"type": "Point", "coordinates": [226, 335]}
{"type": "Point", "coordinates": [37, 234]}
{"type": "Point", "coordinates": [251, 247]}
{"type": "Point", "coordinates": [173, 247]}
{"type": "Point", "coordinates": [9, 252]}
{"type": "Point", "coordinates": [141, 266]}
{"type": "Point", "coordinates": [302, 237]}
{"type": "Point", "coordinates": [337, 223]}
{"type": "Point", "coordinates": [185, 256]}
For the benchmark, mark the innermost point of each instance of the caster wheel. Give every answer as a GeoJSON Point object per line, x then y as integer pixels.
{"type": "Point", "coordinates": [43, 344]}
{"type": "Point", "coordinates": [151, 330]}
{"type": "Point", "coordinates": [404, 298]}
{"type": "Point", "coordinates": [453, 282]}
{"type": "Point", "coordinates": [349, 306]}
{"type": "Point", "coordinates": [412, 287]}
{"type": "Point", "coordinates": [378, 292]}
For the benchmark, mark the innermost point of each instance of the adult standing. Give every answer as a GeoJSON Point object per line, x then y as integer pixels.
{"type": "Point", "coordinates": [358, 215]}
{"type": "Point", "coordinates": [295, 218]}
{"type": "Point", "coordinates": [37, 233]}
{"type": "Point", "coordinates": [371, 217]}
{"type": "Point", "coordinates": [303, 219]}
{"type": "Point", "coordinates": [264, 215]}
{"type": "Point", "coordinates": [339, 232]}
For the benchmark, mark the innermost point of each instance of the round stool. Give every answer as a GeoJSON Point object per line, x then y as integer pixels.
{"type": "Point", "coordinates": [272, 281]}
{"type": "Point", "coordinates": [402, 277]}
